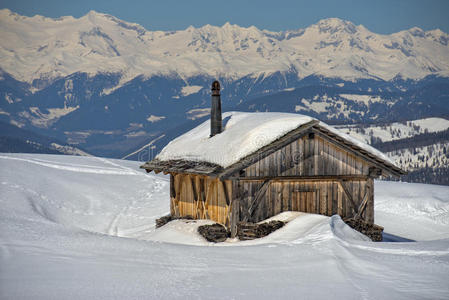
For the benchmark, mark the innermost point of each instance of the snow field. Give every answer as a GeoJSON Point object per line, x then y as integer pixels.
{"type": "Point", "coordinates": [83, 227]}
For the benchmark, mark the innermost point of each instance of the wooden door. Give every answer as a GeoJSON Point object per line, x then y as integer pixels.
{"type": "Point", "coordinates": [307, 201]}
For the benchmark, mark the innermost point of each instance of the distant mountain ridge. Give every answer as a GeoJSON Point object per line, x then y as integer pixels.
{"type": "Point", "coordinates": [39, 50]}
{"type": "Point", "coordinates": [118, 90]}
{"type": "Point", "coordinates": [17, 140]}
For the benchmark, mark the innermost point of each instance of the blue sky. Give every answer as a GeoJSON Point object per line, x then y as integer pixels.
{"type": "Point", "coordinates": [379, 16]}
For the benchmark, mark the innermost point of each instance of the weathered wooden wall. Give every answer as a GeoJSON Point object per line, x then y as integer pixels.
{"type": "Point", "coordinates": [200, 197]}
{"type": "Point", "coordinates": [229, 202]}
{"type": "Point", "coordinates": [263, 199]}
{"type": "Point", "coordinates": [312, 174]}
{"type": "Point", "coordinates": [307, 157]}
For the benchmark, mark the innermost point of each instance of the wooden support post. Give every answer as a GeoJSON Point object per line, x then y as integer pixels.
{"type": "Point", "coordinates": [172, 194]}
{"type": "Point", "coordinates": [172, 186]}
{"type": "Point", "coordinates": [234, 217]}
{"type": "Point", "coordinates": [225, 191]}
{"type": "Point", "coordinates": [349, 196]}
{"type": "Point", "coordinates": [192, 183]}
{"type": "Point", "coordinates": [363, 204]}
{"type": "Point", "coordinates": [178, 183]}
{"type": "Point", "coordinates": [256, 201]}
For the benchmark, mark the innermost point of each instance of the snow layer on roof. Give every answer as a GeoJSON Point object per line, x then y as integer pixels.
{"type": "Point", "coordinates": [243, 134]}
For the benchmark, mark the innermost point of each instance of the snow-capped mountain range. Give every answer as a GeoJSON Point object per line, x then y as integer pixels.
{"type": "Point", "coordinates": [114, 88]}
{"type": "Point", "coordinates": [45, 49]}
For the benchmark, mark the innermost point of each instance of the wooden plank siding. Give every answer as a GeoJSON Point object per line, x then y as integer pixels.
{"type": "Point", "coordinates": [201, 197]}
{"type": "Point", "coordinates": [311, 174]}
{"type": "Point", "coordinates": [320, 197]}
{"type": "Point", "coordinates": [307, 157]}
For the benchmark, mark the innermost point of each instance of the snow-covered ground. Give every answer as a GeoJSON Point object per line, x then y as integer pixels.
{"type": "Point", "coordinates": [83, 227]}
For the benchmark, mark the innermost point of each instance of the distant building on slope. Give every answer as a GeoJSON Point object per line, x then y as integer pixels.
{"type": "Point", "coordinates": [251, 166]}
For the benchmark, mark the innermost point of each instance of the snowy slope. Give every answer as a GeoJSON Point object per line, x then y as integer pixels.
{"type": "Point", "coordinates": [412, 210]}
{"type": "Point", "coordinates": [76, 227]}
{"type": "Point", "coordinates": [44, 48]}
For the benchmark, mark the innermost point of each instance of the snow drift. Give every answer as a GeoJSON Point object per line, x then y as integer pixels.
{"type": "Point", "coordinates": [83, 227]}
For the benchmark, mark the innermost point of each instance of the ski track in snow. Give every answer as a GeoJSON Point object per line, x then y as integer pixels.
{"type": "Point", "coordinates": [76, 168]}
{"type": "Point", "coordinates": [85, 226]}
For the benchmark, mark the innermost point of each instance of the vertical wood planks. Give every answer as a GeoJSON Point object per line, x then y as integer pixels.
{"type": "Point", "coordinates": [235, 206]}
{"type": "Point", "coordinates": [201, 197]}
{"type": "Point", "coordinates": [285, 196]}
{"type": "Point", "coordinates": [301, 156]}
{"type": "Point", "coordinates": [334, 198]}
{"type": "Point", "coordinates": [340, 209]}
{"type": "Point", "coordinates": [309, 157]}
{"type": "Point", "coordinates": [370, 203]}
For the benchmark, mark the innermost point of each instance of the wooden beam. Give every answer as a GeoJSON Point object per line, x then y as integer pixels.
{"type": "Point", "coordinates": [195, 195]}
{"type": "Point", "coordinates": [208, 196]}
{"type": "Point", "coordinates": [235, 207]}
{"type": "Point", "coordinates": [363, 204]}
{"type": "Point", "coordinates": [303, 178]}
{"type": "Point", "coordinates": [178, 194]}
{"type": "Point", "coordinates": [255, 203]}
{"type": "Point", "coordinates": [348, 195]}
{"type": "Point", "coordinates": [201, 190]}
{"type": "Point", "coordinates": [225, 191]}
{"type": "Point", "coordinates": [172, 187]}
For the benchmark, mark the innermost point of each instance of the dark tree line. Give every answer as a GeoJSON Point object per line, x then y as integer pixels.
{"type": "Point", "coordinates": [420, 140]}
{"type": "Point", "coordinates": [428, 175]}
{"type": "Point", "coordinates": [13, 145]}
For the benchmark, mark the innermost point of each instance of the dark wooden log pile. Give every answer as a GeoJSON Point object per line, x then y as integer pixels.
{"type": "Point", "coordinates": [214, 233]}
{"type": "Point", "coordinates": [251, 231]}
{"type": "Point", "coordinates": [165, 219]}
{"type": "Point", "coordinates": [373, 231]}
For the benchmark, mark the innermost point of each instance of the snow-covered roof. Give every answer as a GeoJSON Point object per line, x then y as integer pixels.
{"type": "Point", "coordinates": [245, 133]}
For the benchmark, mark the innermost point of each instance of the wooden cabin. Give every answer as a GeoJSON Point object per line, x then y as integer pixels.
{"type": "Point", "coordinates": [261, 164]}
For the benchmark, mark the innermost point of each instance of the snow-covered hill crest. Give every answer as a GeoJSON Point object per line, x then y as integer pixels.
{"type": "Point", "coordinates": [45, 49]}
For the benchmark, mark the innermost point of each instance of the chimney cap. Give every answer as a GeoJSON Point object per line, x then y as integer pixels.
{"type": "Point", "coordinates": [215, 88]}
